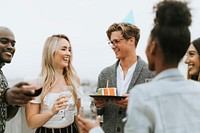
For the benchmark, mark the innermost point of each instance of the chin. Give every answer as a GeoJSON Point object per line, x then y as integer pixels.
{"type": "Point", "coordinates": [193, 73]}
{"type": "Point", "coordinates": [151, 67]}
{"type": "Point", "coordinates": [7, 61]}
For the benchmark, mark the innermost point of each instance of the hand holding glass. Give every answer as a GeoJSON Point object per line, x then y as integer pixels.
{"type": "Point", "coordinates": [68, 91]}
{"type": "Point", "coordinates": [87, 114]}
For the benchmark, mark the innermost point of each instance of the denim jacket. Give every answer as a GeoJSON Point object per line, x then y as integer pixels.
{"type": "Point", "coordinates": [168, 104]}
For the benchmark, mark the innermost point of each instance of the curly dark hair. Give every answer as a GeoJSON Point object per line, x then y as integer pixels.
{"type": "Point", "coordinates": [171, 29]}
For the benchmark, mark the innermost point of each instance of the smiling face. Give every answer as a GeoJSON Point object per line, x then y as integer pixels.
{"type": "Point", "coordinates": [193, 61]}
{"type": "Point", "coordinates": [121, 47]}
{"type": "Point", "coordinates": [63, 55]}
{"type": "Point", "coordinates": [7, 45]}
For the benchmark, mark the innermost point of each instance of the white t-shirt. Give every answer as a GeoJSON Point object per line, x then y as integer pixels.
{"type": "Point", "coordinates": [64, 117]}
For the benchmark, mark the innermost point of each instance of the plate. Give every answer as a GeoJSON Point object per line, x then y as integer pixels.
{"type": "Point", "coordinates": [101, 97]}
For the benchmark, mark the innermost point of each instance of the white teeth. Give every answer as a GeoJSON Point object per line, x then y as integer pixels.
{"type": "Point", "coordinates": [190, 66]}
{"type": "Point", "coordinates": [66, 59]}
{"type": "Point", "coordinates": [8, 53]}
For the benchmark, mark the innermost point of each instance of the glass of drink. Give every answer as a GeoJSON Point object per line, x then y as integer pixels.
{"type": "Point", "coordinates": [68, 92]}
{"type": "Point", "coordinates": [88, 114]}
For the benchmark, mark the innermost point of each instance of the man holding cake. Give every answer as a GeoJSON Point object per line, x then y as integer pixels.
{"type": "Point", "coordinates": [128, 71]}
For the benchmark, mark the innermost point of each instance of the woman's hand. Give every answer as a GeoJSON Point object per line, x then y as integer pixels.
{"type": "Point", "coordinates": [60, 104]}
{"type": "Point", "coordinates": [85, 126]}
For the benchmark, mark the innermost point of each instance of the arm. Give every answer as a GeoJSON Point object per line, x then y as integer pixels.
{"type": "Point", "coordinates": [89, 127]}
{"type": "Point", "coordinates": [35, 119]}
{"type": "Point", "coordinates": [16, 95]}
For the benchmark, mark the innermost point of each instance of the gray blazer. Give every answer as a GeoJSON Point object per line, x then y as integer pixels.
{"type": "Point", "coordinates": [112, 114]}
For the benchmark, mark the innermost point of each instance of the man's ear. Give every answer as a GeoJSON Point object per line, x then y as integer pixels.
{"type": "Point", "coordinates": [132, 40]}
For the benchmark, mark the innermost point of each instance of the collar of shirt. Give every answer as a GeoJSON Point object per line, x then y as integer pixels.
{"type": "Point", "coordinates": [172, 73]}
{"type": "Point", "coordinates": [123, 84]}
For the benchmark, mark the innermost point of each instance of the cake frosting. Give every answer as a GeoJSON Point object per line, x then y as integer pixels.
{"type": "Point", "coordinates": [107, 91]}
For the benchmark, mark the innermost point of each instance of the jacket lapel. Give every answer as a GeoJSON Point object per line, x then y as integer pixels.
{"type": "Point", "coordinates": [136, 73]}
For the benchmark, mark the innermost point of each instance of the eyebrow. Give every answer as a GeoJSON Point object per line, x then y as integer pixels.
{"type": "Point", "coordinates": [192, 51]}
{"type": "Point", "coordinates": [66, 47]}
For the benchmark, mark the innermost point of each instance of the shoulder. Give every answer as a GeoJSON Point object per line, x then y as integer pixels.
{"type": "Point", "coordinates": [109, 69]}
{"type": "Point", "coordinates": [146, 90]}
{"type": "Point", "coordinates": [142, 64]}
{"type": "Point", "coordinates": [141, 88]}
{"type": "Point", "coordinates": [143, 67]}
{"type": "Point", "coordinates": [194, 83]}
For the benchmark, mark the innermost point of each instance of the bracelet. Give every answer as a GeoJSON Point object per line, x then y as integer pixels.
{"type": "Point", "coordinates": [3, 98]}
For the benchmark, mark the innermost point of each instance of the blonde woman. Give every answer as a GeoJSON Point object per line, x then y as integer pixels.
{"type": "Point", "coordinates": [193, 60]}
{"type": "Point", "coordinates": [48, 112]}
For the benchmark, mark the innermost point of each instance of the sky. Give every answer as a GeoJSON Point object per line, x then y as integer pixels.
{"type": "Point", "coordinates": [85, 22]}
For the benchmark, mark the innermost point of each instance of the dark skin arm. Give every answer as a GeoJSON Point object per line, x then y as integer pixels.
{"type": "Point", "coordinates": [16, 95]}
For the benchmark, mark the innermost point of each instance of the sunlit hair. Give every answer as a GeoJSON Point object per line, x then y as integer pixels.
{"type": "Point", "coordinates": [48, 66]}
{"type": "Point", "coordinates": [128, 31]}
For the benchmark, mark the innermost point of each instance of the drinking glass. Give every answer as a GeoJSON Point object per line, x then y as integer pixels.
{"type": "Point", "coordinates": [88, 114]}
{"type": "Point", "coordinates": [68, 92]}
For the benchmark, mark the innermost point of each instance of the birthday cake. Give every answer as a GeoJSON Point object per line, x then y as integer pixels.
{"type": "Point", "coordinates": [107, 91]}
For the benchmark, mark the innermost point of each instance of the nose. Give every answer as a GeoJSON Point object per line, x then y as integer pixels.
{"type": "Point", "coordinates": [187, 60]}
{"type": "Point", "coordinates": [68, 53]}
{"type": "Point", "coordinates": [10, 46]}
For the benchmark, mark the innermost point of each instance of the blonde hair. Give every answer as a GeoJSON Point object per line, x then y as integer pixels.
{"type": "Point", "coordinates": [48, 67]}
